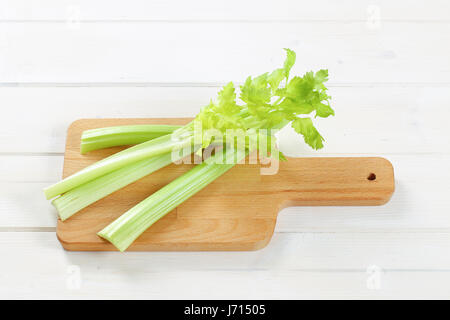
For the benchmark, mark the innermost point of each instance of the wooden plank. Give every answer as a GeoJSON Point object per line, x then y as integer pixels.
{"type": "Point", "coordinates": [287, 251]}
{"type": "Point", "coordinates": [230, 10]}
{"type": "Point", "coordinates": [23, 206]}
{"type": "Point", "coordinates": [212, 52]}
{"type": "Point", "coordinates": [419, 203]}
{"type": "Point", "coordinates": [30, 168]}
{"type": "Point", "coordinates": [292, 266]}
{"type": "Point", "coordinates": [408, 116]}
{"type": "Point", "coordinates": [409, 207]}
{"type": "Point", "coordinates": [254, 284]}
{"type": "Point", "coordinates": [236, 212]}
{"type": "Point", "coordinates": [57, 108]}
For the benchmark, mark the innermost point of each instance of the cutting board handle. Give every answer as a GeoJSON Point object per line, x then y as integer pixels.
{"type": "Point", "coordinates": [362, 181]}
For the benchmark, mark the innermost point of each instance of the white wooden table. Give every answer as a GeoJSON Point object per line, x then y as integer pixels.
{"type": "Point", "coordinates": [389, 77]}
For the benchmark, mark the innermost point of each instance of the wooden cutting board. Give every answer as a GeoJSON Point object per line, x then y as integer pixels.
{"type": "Point", "coordinates": [238, 211]}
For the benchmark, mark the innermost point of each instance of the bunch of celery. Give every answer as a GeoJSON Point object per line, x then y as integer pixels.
{"type": "Point", "coordinates": [269, 101]}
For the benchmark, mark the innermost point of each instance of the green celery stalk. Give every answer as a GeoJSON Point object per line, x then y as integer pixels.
{"type": "Point", "coordinates": [122, 136]}
{"type": "Point", "coordinates": [141, 151]}
{"type": "Point", "coordinates": [129, 226]}
{"type": "Point", "coordinates": [84, 195]}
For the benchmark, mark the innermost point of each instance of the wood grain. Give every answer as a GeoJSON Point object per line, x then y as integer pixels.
{"type": "Point", "coordinates": [411, 127]}
{"type": "Point", "coordinates": [205, 53]}
{"type": "Point", "coordinates": [292, 266]}
{"type": "Point", "coordinates": [391, 100]}
{"type": "Point", "coordinates": [238, 211]}
{"type": "Point", "coordinates": [221, 10]}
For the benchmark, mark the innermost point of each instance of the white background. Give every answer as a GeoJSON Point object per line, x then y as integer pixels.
{"type": "Point", "coordinates": [389, 64]}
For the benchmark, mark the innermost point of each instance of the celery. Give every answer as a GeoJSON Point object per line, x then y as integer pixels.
{"type": "Point", "coordinates": [122, 136]}
{"type": "Point", "coordinates": [142, 151]}
{"type": "Point", "coordinates": [129, 226]}
{"type": "Point", "coordinates": [82, 196]}
{"type": "Point", "coordinates": [268, 101]}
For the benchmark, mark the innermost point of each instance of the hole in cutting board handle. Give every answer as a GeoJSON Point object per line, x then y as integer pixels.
{"type": "Point", "coordinates": [372, 176]}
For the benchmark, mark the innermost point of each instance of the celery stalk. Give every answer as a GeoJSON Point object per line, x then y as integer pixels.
{"type": "Point", "coordinates": [141, 151]}
{"type": "Point", "coordinates": [129, 226]}
{"type": "Point", "coordinates": [84, 195]}
{"type": "Point", "coordinates": [122, 136]}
